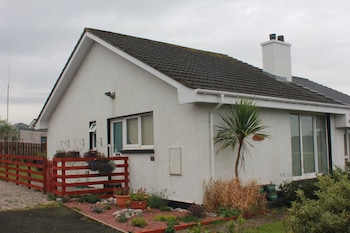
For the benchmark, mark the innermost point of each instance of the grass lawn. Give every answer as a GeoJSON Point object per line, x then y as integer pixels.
{"type": "Point", "coordinates": [276, 227]}
{"type": "Point", "coordinates": [32, 175]}
{"type": "Point", "coordinates": [272, 222]}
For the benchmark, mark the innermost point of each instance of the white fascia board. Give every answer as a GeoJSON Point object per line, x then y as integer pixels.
{"type": "Point", "coordinates": [210, 96]}
{"type": "Point", "coordinates": [137, 62]}
{"type": "Point", "coordinates": [64, 80]}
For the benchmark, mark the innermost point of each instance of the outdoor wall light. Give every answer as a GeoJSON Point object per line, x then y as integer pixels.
{"type": "Point", "coordinates": [110, 94]}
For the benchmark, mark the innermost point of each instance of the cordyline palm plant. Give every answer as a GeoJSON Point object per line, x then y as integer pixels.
{"type": "Point", "coordinates": [241, 121]}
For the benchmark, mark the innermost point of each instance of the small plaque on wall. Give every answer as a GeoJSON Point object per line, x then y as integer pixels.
{"type": "Point", "coordinates": [175, 160]}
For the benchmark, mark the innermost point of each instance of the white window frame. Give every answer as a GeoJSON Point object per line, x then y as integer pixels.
{"type": "Point", "coordinates": [127, 146]}
{"type": "Point", "coordinates": [311, 174]}
{"type": "Point", "coordinates": [92, 133]}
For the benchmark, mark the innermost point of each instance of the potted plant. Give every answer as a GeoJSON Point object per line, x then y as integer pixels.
{"type": "Point", "coordinates": [122, 195]}
{"type": "Point", "coordinates": [272, 196]}
{"type": "Point", "coordinates": [138, 199]}
{"type": "Point", "coordinates": [99, 162]}
{"type": "Point", "coordinates": [271, 187]}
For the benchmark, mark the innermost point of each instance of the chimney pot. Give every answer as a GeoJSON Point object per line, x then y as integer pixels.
{"type": "Point", "coordinates": [280, 38]}
{"type": "Point", "coordinates": [273, 36]}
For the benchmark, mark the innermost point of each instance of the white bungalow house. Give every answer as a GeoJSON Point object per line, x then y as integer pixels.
{"type": "Point", "coordinates": [158, 104]}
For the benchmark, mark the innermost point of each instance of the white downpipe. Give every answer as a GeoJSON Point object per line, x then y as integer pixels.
{"type": "Point", "coordinates": [211, 125]}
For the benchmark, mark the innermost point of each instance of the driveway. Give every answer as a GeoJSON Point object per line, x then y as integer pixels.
{"type": "Point", "coordinates": [57, 219]}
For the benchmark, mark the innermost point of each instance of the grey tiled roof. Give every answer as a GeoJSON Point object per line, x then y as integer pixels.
{"type": "Point", "coordinates": [199, 69]}
{"type": "Point", "coordinates": [323, 89]}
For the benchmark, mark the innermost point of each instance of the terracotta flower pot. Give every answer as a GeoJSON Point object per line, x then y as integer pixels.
{"type": "Point", "coordinates": [122, 200]}
{"type": "Point", "coordinates": [138, 204]}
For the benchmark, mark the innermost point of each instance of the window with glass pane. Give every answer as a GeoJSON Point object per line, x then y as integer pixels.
{"type": "Point", "coordinates": [132, 131]}
{"type": "Point", "coordinates": [295, 140]}
{"type": "Point", "coordinates": [321, 144]}
{"type": "Point", "coordinates": [117, 137]}
{"type": "Point", "coordinates": [147, 129]}
{"type": "Point", "coordinates": [308, 143]}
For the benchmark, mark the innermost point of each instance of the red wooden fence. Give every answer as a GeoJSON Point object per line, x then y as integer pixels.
{"type": "Point", "coordinates": [71, 176]}
{"type": "Point", "coordinates": [29, 171]}
{"type": "Point", "coordinates": [63, 176]}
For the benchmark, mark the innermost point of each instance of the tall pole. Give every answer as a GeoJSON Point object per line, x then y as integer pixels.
{"type": "Point", "coordinates": [8, 88]}
{"type": "Point", "coordinates": [8, 101]}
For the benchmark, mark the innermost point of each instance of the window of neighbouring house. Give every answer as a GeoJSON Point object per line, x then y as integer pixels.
{"type": "Point", "coordinates": [132, 133]}
{"type": "Point", "coordinates": [92, 135]}
{"type": "Point", "coordinates": [309, 145]}
{"type": "Point", "coordinates": [347, 145]}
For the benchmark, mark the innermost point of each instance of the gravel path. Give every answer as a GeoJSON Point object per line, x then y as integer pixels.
{"type": "Point", "coordinates": [14, 196]}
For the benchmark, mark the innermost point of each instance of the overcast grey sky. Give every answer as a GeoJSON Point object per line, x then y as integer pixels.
{"type": "Point", "coordinates": [38, 36]}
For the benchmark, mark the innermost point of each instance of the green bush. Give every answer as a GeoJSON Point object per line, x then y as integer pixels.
{"type": "Point", "coordinates": [138, 222]}
{"type": "Point", "coordinates": [164, 218]}
{"type": "Point", "coordinates": [226, 212]}
{"type": "Point", "coordinates": [308, 186]}
{"type": "Point", "coordinates": [330, 212]}
{"type": "Point", "coordinates": [122, 218]}
{"type": "Point", "coordinates": [89, 198]}
{"type": "Point", "coordinates": [170, 227]}
{"type": "Point", "coordinates": [157, 199]}
{"type": "Point", "coordinates": [165, 208]}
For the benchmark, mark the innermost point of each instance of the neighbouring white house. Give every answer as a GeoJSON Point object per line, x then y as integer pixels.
{"type": "Point", "coordinates": [26, 133]}
{"type": "Point", "coordinates": [158, 104]}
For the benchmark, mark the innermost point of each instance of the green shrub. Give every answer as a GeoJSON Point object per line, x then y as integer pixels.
{"type": "Point", "coordinates": [330, 212]}
{"type": "Point", "coordinates": [138, 222]}
{"type": "Point", "coordinates": [89, 198]}
{"type": "Point", "coordinates": [157, 199]}
{"type": "Point", "coordinates": [226, 212]}
{"type": "Point", "coordinates": [170, 227]}
{"type": "Point", "coordinates": [308, 186]}
{"type": "Point", "coordinates": [97, 209]}
{"type": "Point", "coordinates": [122, 218]}
{"type": "Point", "coordinates": [189, 218]}
{"type": "Point", "coordinates": [165, 208]}
{"type": "Point", "coordinates": [164, 218]}
{"type": "Point", "coordinates": [51, 197]}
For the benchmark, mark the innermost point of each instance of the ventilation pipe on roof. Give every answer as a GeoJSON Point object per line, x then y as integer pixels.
{"type": "Point", "coordinates": [277, 58]}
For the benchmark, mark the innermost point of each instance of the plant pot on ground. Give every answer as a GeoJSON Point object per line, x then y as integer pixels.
{"type": "Point", "coordinates": [273, 196]}
{"type": "Point", "coordinates": [271, 188]}
{"type": "Point", "coordinates": [138, 199]}
{"type": "Point", "coordinates": [122, 195]}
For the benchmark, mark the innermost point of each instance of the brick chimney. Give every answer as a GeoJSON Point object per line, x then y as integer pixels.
{"type": "Point", "coordinates": [277, 58]}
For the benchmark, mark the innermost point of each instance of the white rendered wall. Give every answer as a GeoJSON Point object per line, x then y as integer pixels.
{"type": "Point", "coordinates": [175, 126]}
{"type": "Point", "coordinates": [270, 160]}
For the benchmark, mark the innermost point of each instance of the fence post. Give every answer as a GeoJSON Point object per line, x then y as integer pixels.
{"type": "Point", "coordinates": [63, 177]}
{"type": "Point", "coordinates": [126, 170]}
{"type": "Point", "coordinates": [54, 185]}
{"type": "Point", "coordinates": [45, 171]}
